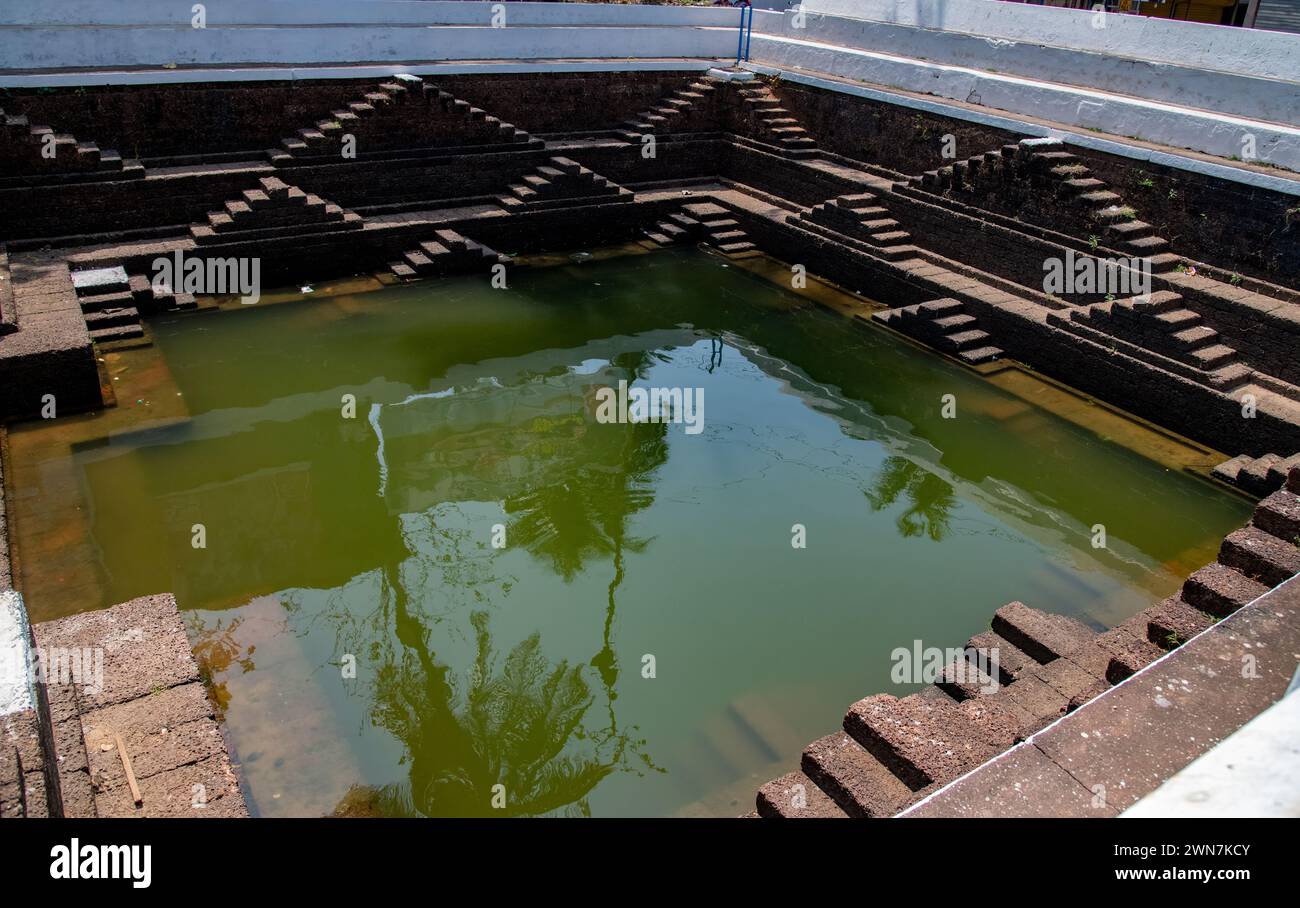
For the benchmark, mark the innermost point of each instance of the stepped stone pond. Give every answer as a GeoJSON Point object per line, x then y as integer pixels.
{"type": "Point", "coordinates": [423, 578]}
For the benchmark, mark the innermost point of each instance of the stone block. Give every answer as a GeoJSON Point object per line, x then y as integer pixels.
{"type": "Point", "coordinates": [926, 741]}
{"type": "Point", "coordinates": [1043, 636]}
{"type": "Point", "coordinates": [1219, 590]}
{"type": "Point", "coordinates": [143, 643]}
{"type": "Point", "coordinates": [795, 796]}
{"type": "Point", "coordinates": [858, 782]}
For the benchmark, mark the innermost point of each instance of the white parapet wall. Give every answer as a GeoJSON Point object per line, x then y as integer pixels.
{"type": "Point", "coordinates": [17, 690]}
{"type": "Point", "coordinates": [43, 48]}
{"type": "Point", "coordinates": [1244, 51]}
{"type": "Point", "coordinates": [355, 12]}
{"type": "Point", "coordinates": [78, 34]}
{"type": "Point", "coordinates": [1242, 94]}
{"type": "Point", "coordinates": [1240, 100]}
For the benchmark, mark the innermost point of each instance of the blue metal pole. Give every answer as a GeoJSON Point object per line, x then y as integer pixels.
{"type": "Point", "coordinates": [749, 33]}
{"type": "Point", "coordinates": [740, 38]}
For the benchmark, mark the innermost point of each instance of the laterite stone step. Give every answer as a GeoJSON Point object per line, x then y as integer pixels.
{"type": "Point", "coordinates": [1012, 660]}
{"type": "Point", "coordinates": [963, 340]}
{"type": "Point", "coordinates": [857, 782]}
{"type": "Point", "coordinates": [939, 307]}
{"type": "Point", "coordinates": [728, 236]}
{"type": "Point", "coordinates": [106, 301]}
{"type": "Point", "coordinates": [923, 741]}
{"type": "Point", "coordinates": [117, 333]}
{"type": "Point", "coordinates": [1259, 555]}
{"type": "Point", "coordinates": [1213, 357]}
{"type": "Point", "coordinates": [955, 322]}
{"type": "Point", "coordinates": [98, 281]}
{"type": "Point", "coordinates": [110, 318]}
{"type": "Point", "coordinates": [1261, 475]}
{"type": "Point", "coordinates": [933, 692]}
{"type": "Point", "coordinates": [1033, 702]}
{"type": "Point", "coordinates": [1194, 337]}
{"type": "Point", "coordinates": [704, 211]}
{"type": "Point", "coordinates": [1170, 624]}
{"type": "Point", "coordinates": [966, 679]}
{"type": "Point", "coordinates": [1081, 672]}
{"type": "Point", "coordinates": [1086, 184]}
{"type": "Point", "coordinates": [794, 796]}
{"type": "Point", "coordinates": [890, 236]}
{"type": "Point", "coordinates": [1100, 197]}
{"type": "Point", "coordinates": [1052, 158]}
{"type": "Point", "coordinates": [1125, 654]}
{"type": "Point", "coordinates": [1129, 230]}
{"type": "Point", "coordinates": [1178, 319]}
{"type": "Point", "coordinates": [1219, 590]}
{"type": "Point", "coordinates": [1044, 637]}
{"type": "Point", "coordinates": [418, 260]}
{"type": "Point", "coordinates": [1279, 514]}
{"type": "Point", "coordinates": [1147, 245]}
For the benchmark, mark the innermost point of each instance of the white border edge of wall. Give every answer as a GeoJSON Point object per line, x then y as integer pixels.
{"type": "Point", "coordinates": [17, 690]}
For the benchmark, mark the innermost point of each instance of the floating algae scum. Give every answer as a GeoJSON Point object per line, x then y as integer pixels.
{"type": "Point", "coordinates": [364, 540]}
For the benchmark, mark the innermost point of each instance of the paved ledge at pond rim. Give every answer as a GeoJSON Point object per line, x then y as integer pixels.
{"type": "Point", "coordinates": [139, 689]}
{"type": "Point", "coordinates": [1119, 748]}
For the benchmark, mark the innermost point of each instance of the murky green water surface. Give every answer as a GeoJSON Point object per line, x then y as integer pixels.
{"type": "Point", "coordinates": [371, 646]}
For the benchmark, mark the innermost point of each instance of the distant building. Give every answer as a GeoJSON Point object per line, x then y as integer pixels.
{"type": "Point", "coordinates": [1279, 15]}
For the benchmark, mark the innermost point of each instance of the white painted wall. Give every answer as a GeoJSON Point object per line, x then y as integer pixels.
{"type": "Point", "coordinates": [1230, 93]}
{"type": "Point", "coordinates": [355, 12]}
{"type": "Point", "coordinates": [50, 34]}
{"type": "Point", "coordinates": [16, 690]}
{"type": "Point", "coordinates": [1265, 54]}
{"type": "Point", "coordinates": [1181, 127]}
{"type": "Point", "coordinates": [40, 47]}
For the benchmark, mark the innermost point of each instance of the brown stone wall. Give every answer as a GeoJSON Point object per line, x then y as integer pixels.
{"type": "Point", "coordinates": [145, 121]}
{"type": "Point", "coordinates": [898, 138]}
{"type": "Point", "coordinates": [1013, 255]}
{"type": "Point", "coordinates": [223, 118]}
{"type": "Point", "coordinates": [781, 176]}
{"type": "Point", "coordinates": [1255, 232]}
{"type": "Point", "coordinates": [564, 102]}
{"type": "Point", "coordinates": [119, 207]}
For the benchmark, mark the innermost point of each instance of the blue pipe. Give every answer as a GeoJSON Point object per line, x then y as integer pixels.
{"type": "Point", "coordinates": [740, 38]}
{"type": "Point", "coordinates": [749, 33]}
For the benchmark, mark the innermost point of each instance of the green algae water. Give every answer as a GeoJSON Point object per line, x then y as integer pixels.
{"type": "Point", "coordinates": [431, 582]}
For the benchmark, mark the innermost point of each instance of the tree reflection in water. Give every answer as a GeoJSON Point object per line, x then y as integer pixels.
{"type": "Point", "coordinates": [518, 721]}
{"type": "Point", "coordinates": [931, 498]}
